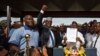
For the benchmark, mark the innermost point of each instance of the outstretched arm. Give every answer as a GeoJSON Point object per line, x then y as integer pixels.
{"type": "Point", "coordinates": [40, 16]}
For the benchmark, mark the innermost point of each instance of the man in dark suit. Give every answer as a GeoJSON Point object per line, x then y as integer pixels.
{"type": "Point", "coordinates": [61, 33]}
{"type": "Point", "coordinates": [47, 36]}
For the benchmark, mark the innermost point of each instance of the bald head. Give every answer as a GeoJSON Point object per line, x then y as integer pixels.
{"type": "Point", "coordinates": [27, 16]}
{"type": "Point", "coordinates": [29, 21]}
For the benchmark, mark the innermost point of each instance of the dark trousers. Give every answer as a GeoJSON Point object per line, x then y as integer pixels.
{"type": "Point", "coordinates": [50, 51]}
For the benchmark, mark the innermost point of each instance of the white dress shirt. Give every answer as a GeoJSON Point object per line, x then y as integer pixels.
{"type": "Point", "coordinates": [88, 38]}
{"type": "Point", "coordinates": [50, 43]}
{"type": "Point", "coordinates": [97, 44]}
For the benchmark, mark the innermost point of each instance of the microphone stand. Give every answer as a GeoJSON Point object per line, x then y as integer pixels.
{"type": "Point", "coordinates": [27, 37]}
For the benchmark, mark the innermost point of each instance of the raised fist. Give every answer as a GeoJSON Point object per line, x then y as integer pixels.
{"type": "Point", "coordinates": [44, 8]}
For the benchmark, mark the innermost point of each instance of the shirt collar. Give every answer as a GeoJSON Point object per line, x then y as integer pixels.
{"type": "Point", "coordinates": [26, 27]}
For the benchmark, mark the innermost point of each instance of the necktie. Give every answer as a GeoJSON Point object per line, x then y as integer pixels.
{"type": "Point", "coordinates": [53, 42]}
{"type": "Point", "coordinates": [61, 35]}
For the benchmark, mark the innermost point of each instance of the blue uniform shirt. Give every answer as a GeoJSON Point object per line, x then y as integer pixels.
{"type": "Point", "coordinates": [18, 37]}
{"type": "Point", "coordinates": [11, 32]}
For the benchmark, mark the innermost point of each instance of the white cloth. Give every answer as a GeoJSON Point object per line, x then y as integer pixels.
{"type": "Point", "coordinates": [80, 35]}
{"type": "Point", "coordinates": [88, 38]}
{"type": "Point", "coordinates": [97, 44]}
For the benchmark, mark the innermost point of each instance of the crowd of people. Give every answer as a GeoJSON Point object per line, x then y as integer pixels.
{"type": "Point", "coordinates": [44, 37]}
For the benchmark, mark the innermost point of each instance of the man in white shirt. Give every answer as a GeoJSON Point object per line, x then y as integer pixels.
{"type": "Point", "coordinates": [96, 39]}
{"type": "Point", "coordinates": [79, 38]}
{"type": "Point", "coordinates": [88, 38]}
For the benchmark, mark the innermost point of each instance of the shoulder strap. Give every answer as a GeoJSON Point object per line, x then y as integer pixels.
{"type": "Point", "coordinates": [96, 41]}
